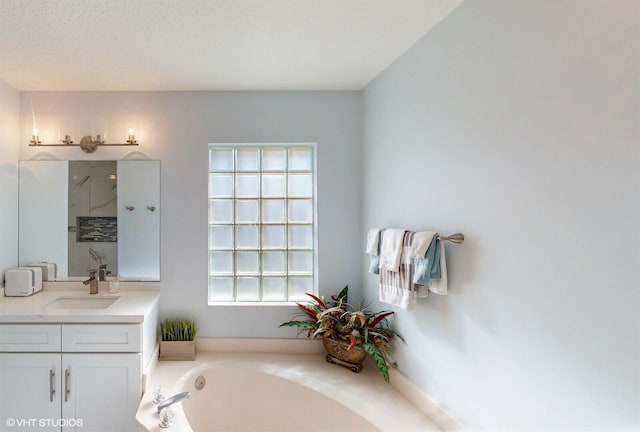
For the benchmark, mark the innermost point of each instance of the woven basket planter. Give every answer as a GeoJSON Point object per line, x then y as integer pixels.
{"type": "Point", "coordinates": [337, 353]}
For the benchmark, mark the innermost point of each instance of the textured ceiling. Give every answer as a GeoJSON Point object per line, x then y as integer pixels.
{"type": "Point", "coordinates": [118, 45]}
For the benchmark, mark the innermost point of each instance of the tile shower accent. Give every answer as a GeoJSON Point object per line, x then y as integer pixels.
{"type": "Point", "coordinates": [97, 229]}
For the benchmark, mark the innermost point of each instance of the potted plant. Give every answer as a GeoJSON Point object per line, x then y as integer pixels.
{"type": "Point", "coordinates": [348, 334]}
{"type": "Point", "coordinates": [178, 339]}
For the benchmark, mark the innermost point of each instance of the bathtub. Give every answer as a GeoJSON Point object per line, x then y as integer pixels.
{"type": "Point", "coordinates": [277, 392]}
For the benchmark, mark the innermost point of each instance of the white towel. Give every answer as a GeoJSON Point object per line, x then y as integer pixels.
{"type": "Point", "coordinates": [373, 237]}
{"type": "Point", "coordinates": [420, 243]}
{"type": "Point", "coordinates": [397, 288]}
{"type": "Point", "coordinates": [402, 298]}
{"type": "Point", "coordinates": [391, 249]}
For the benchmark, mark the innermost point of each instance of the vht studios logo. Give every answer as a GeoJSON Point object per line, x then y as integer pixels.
{"type": "Point", "coordinates": [43, 422]}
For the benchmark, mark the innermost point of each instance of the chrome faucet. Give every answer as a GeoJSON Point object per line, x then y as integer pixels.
{"type": "Point", "coordinates": [102, 273]}
{"type": "Point", "coordinates": [92, 282]}
{"type": "Point", "coordinates": [172, 399]}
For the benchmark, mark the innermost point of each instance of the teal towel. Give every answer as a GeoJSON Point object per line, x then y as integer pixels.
{"type": "Point", "coordinates": [428, 268]}
{"type": "Point", "coordinates": [374, 264]}
{"type": "Point", "coordinates": [374, 260]}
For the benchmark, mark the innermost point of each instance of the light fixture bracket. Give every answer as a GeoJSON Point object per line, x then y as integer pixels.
{"type": "Point", "coordinates": [88, 143]}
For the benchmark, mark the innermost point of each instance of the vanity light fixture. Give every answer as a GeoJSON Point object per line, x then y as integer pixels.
{"type": "Point", "coordinates": [88, 143]}
{"type": "Point", "coordinates": [132, 138]}
{"type": "Point", "coordinates": [35, 139]}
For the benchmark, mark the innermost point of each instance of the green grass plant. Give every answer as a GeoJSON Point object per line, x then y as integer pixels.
{"type": "Point", "coordinates": [178, 329]}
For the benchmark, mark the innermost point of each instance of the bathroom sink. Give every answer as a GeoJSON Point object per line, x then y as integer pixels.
{"type": "Point", "coordinates": [82, 302]}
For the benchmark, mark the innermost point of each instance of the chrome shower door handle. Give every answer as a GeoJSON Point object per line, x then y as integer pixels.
{"type": "Point", "coordinates": [67, 384]}
{"type": "Point", "coordinates": [52, 384]}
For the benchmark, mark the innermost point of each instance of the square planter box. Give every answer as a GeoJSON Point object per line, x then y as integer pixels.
{"type": "Point", "coordinates": [177, 350]}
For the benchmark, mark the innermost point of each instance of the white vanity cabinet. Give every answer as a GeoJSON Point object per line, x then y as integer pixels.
{"type": "Point", "coordinates": [102, 390]}
{"type": "Point", "coordinates": [70, 377]}
{"type": "Point", "coordinates": [29, 391]}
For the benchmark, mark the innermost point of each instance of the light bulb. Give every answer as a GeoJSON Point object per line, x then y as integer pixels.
{"type": "Point", "coordinates": [35, 139]}
{"type": "Point", "coordinates": [132, 138]}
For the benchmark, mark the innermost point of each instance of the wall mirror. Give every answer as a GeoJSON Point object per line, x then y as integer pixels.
{"type": "Point", "coordinates": [83, 214]}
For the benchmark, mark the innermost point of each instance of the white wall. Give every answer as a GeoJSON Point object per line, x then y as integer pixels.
{"type": "Point", "coordinates": [176, 127]}
{"type": "Point", "coordinates": [517, 124]}
{"type": "Point", "coordinates": [9, 111]}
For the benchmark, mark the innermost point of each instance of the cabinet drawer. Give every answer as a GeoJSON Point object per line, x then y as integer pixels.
{"type": "Point", "coordinates": [30, 338]}
{"type": "Point", "coordinates": [101, 338]}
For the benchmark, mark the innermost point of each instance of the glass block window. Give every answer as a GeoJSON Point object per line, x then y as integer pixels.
{"type": "Point", "coordinates": [262, 228]}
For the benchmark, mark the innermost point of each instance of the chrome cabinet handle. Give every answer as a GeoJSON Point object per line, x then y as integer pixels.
{"type": "Point", "coordinates": [151, 208]}
{"type": "Point", "coordinates": [67, 384]}
{"type": "Point", "coordinates": [52, 384]}
{"type": "Point", "coordinates": [130, 208]}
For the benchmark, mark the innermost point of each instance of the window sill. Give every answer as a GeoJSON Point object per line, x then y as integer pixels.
{"type": "Point", "coordinates": [252, 304]}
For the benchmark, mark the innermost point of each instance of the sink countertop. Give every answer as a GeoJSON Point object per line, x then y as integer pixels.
{"type": "Point", "coordinates": [132, 307]}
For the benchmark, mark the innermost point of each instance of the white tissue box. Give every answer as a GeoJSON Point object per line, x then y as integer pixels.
{"type": "Point", "coordinates": [22, 281]}
{"type": "Point", "coordinates": [49, 270]}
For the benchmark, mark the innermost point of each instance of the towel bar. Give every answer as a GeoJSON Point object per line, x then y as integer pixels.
{"type": "Point", "coordinates": [455, 238]}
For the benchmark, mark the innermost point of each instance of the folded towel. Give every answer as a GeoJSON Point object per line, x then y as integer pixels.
{"type": "Point", "coordinates": [391, 249]}
{"type": "Point", "coordinates": [374, 264]}
{"type": "Point", "coordinates": [421, 242]}
{"type": "Point", "coordinates": [397, 287]}
{"type": "Point", "coordinates": [373, 241]}
{"type": "Point", "coordinates": [427, 267]}
{"type": "Point", "coordinates": [373, 249]}
{"type": "Point", "coordinates": [439, 286]}
{"type": "Point", "coordinates": [437, 277]}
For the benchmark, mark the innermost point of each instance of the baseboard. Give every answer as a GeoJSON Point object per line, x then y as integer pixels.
{"type": "Point", "coordinates": [255, 345]}
{"type": "Point", "coordinates": [425, 403]}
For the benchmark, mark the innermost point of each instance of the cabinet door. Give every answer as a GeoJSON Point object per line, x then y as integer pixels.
{"type": "Point", "coordinates": [139, 219]}
{"type": "Point", "coordinates": [101, 391]}
{"type": "Point", "coordinates": [30, 392]}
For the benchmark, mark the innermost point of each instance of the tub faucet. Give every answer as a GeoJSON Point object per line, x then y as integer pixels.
{"type": "Point", "coordinates": [172, 399]}
{"type": "Point", "coordinates": [92, 282]}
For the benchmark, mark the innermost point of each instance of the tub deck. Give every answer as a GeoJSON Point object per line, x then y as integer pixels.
{"type": "Point", "coordinates": [365, 393]}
